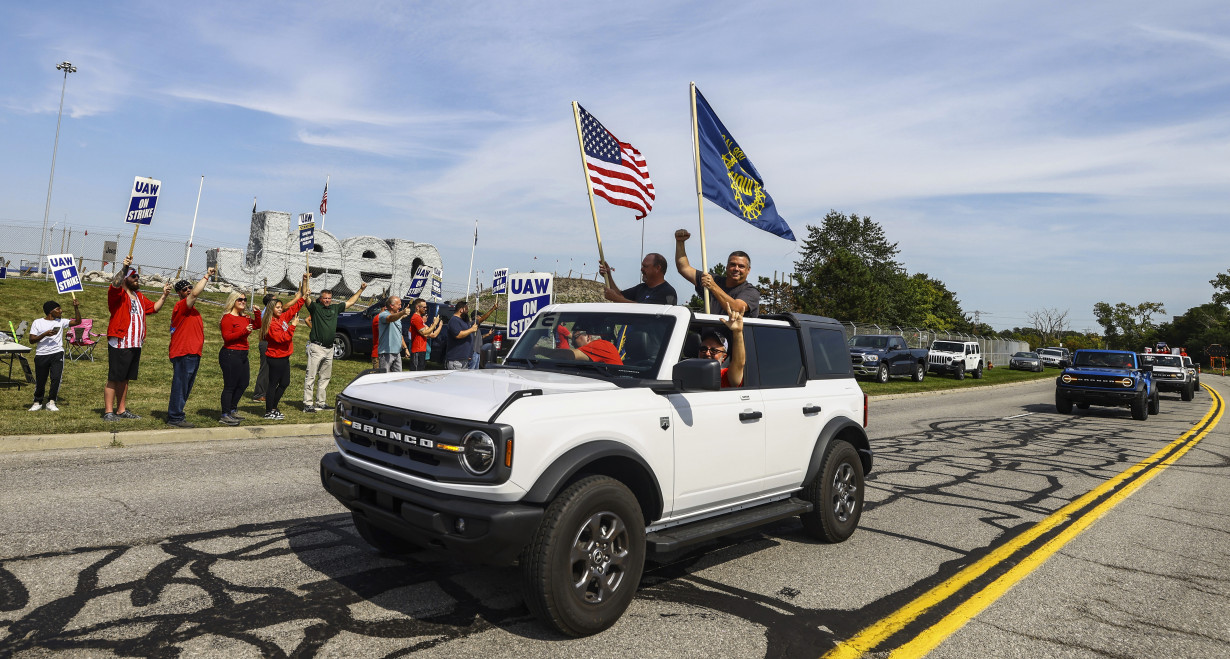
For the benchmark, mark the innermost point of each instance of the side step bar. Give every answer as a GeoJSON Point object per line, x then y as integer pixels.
{"type": "Point", "coordinates": [680, 537]}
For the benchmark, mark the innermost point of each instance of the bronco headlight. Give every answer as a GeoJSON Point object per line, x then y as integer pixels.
{"type": "Point", "coordinates": [478, 452]}
{"type": "Point", "coordinates": [340, 422]}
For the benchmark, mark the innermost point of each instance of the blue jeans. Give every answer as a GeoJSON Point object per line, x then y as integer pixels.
{"type": "Point", "coordinates": [183, 376]}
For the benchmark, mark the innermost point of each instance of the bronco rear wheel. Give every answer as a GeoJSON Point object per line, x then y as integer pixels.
{"type": "Point", "coordinates": [836, 494]}
{"type": "Point", "coordinates": [581, 570]}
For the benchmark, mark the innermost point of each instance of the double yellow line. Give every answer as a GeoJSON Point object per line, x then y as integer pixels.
{"type": "Point", "coordinates": [1122, 486]}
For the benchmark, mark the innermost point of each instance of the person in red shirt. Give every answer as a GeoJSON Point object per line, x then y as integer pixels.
{"type": "Point", "coordinates": [278, 330]}
{"type": "Point", "coordinates": [233, 357]}
{"type": "Point", "coordinates": [187, 339]}
{"type": "Point", "coordinates": [421, 331]}
{"type": "Point", "coordinates": [125, 336]}
{"type": "Point", "coordinates": [593, 348]}
{"type": "Point", "coordinates": [713, 346]}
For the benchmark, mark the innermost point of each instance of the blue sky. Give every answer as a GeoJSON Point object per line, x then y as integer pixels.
{"type": "Point", "coordinates": [1029, 155]}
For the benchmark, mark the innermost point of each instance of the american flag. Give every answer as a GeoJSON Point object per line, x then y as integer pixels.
{"type": "Point", "coordinates": [616, 169]}
{"type": "Point", "coordinates": [324, 200]}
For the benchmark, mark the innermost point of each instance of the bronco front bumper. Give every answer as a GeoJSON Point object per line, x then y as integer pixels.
{"type": "Point", "coordinates": [469, 529]}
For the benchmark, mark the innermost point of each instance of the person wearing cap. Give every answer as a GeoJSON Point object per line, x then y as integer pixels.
{"type": "Point", "coordinates": [187, 340]}
{"type": "Point", "coordinates": [593, 348]}
{"type": "Point", "coordinates": [48, 333]}
{"type": "Point", "coordinates": [322, 321]}
{"type": "Point", "coordinates": [125, 336]}
{"type": "Point", "coordinates": [714, 346]}
{"type": "Point", "coordinates": [458, 346]}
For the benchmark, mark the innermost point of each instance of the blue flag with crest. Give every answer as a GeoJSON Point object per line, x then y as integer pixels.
{"type": "Point", "coordinates": [729, 179]}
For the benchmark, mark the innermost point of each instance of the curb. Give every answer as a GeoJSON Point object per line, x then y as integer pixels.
{"type": "Point", "coordinates": [17, 443]}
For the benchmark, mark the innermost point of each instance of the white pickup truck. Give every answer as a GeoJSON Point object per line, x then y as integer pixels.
{"type": "Point", "coordinates": [577, 470]}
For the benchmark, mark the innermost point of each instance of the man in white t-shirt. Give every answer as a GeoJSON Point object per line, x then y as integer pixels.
{"type": "Point", "coordinates": [48, 333]}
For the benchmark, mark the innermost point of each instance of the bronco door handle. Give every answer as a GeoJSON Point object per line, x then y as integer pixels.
{"type": "Point", "coordinates": [811, 409]}
{"type": "Point", "coordinates": [750, 416]}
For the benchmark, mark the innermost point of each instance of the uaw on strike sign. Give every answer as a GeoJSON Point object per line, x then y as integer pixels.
{"type": "Point", "coordinates": [64, 269]}
{"type": "Point", "coordinates": [527, 293]}
{"type": "Point", "coordinates": [143, 200]}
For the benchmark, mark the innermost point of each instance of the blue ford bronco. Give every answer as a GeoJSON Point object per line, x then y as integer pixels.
{"type": "Point", "coordinates": [1111, 378]}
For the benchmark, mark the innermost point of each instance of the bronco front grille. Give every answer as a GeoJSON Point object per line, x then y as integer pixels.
{"type": "Point", "coordinates": [1102, 381]}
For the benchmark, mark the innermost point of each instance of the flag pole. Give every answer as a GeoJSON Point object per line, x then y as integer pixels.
{"type": "Point", "coordinates": [700, 195]}
{"type": "Point", "coordinates": [192, 232]}
{"type": "Point", "coordinates": [322, 214]}
{"type": "Point", "coordinates": [589, 187]}
{"type": "Point", "coordinates": [470, 277]}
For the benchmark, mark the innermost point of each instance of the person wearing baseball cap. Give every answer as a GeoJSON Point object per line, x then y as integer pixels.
{"type": "Point", "coordinates": [187, 340]}
{"type": "Point", "coordinates": [125, 336]}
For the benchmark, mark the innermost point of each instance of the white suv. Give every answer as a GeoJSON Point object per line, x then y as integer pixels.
{"type": "Point", "coordinates": [955, 357]}
{"type": "Point", "coordinates": [577, 470]}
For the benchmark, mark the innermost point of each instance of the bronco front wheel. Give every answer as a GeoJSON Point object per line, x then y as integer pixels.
{"type": "Point", "coordinates": [581, 570]}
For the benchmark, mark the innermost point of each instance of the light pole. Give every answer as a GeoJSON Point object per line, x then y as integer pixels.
{"type": "Point", "coordinates": [67, 68]}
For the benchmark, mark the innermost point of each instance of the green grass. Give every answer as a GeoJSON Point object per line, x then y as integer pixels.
{"type": "Point", "coordinates": [935, 382]}
{"type": "Point", "coordinates": [81, 392]}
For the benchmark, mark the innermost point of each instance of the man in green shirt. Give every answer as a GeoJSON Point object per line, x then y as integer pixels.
{"type": "Point", "coordinates": [323, 314]}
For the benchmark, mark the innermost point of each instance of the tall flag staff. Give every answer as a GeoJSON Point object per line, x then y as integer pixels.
{"type": "Point", "coordinates": [192, 232]}
{"type": "Point", "coordinates": [726, 176]}
{"type": "Point", "coordinates": [614, 170]}
{"type": "Point", "coordinates": [470, 276]}
{"type": "Point", "coordinates": [324, 202]}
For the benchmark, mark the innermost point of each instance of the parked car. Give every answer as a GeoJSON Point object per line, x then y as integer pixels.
{"type": "Point", "coordinates": [882, 355]}
{"type": "Point", "coordinates": [1026, 361]}
{"type": "Point", "coordinates": [955, 357]}
{"type": "Point", "coordinates": [1056, 357]}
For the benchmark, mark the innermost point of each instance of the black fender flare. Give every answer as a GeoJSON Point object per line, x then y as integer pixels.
{"type": "Point", "coordinates": [844, 426]}
{"type": "Point", "coordinates": [555, 477]}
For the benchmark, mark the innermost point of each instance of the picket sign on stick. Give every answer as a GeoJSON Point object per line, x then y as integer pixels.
{"type": "Point", "coordinates": [141, 205]}
{"type": "Point", "coordinates": [700, 196]}
{"type": "Point", "coordinates": [589, 188]}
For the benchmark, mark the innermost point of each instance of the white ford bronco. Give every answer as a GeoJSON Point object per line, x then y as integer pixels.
{"type": "Point", "coordinates": [578, 470]}
{"type": "Point", "coordinates": [955, 357]}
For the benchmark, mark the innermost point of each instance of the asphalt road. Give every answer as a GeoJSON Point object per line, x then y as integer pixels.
{"type": "Point", "coordinates": [227, 549]}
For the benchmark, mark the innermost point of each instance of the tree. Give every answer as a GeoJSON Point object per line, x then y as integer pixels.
{"type": "Point", "coordinates": [1221, 288]}
{"type": "Point", "coordinates": [1050, 323]}
{"type": "Point", "coordinates": [775, 296]}
{"type": "Point", "coordinates": [926, 302]}
{"type": "Point", "coordinates": [858, 236]}
{"type": "Point", "coordinates": [1128, 327]}
{"type": "Point", "coordinates": [843, 287]}
{"type": "Point", "coordinates": [1197, 328]}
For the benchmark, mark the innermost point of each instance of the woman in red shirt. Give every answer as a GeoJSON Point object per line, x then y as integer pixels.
{"type": "Point", "coordinates": [278, 330]}
{"type": "Point", "coordinates": [233, 357]}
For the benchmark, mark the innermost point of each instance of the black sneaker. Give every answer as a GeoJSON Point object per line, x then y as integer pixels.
{"type": "Point", "coordinates": [110, 416]}
{"type": "Point", "coordinates": [182, 423]}
{"type": "Point", "coordinates": [325, 408]}
{"type": "Point", "coordinates": [128, 415]}
{"type": "Point", "coordinates": [309, 409]}
{"type": "Point", "coordinates": [229, 420]}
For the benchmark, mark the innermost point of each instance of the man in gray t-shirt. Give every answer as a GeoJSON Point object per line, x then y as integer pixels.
{"type": "Point", "coordinates": [730, 292]}
{"type": "Point", "coordinates": [391, 341]}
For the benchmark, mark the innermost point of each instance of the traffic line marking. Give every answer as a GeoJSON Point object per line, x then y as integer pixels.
{"type": "Point", "coordinates": [1130, 480]}
{"type": "Point", "coordinates": [1017, 416]}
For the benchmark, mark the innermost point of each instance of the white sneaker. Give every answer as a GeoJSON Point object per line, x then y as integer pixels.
{"type": "Point", "coordinates": [51, 406]}
{"type": "Point", "coordinates": [36, 407]}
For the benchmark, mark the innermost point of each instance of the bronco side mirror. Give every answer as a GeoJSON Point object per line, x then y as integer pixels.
{"type": "Point", "coordinates": [697, 375]}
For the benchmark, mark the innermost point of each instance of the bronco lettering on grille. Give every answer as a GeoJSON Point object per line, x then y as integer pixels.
{"type": "Point", "coordinates": [393, 435]}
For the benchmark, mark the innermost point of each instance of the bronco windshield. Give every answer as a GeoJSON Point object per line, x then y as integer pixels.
{"type": "Point", "coordinates": [1106, 359]}
{"type": "Point", "coordinates": [616, 345]}
{"type": "Point", "coordinates": [1163, 360]}
{"type": "Point", "coordinates": [865, 341]}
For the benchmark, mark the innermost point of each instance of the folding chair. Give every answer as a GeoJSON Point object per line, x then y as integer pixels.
{"type": "Point", "coordinates": [80, 341]}
{"type": "Point", "coordinates": [21, 331]}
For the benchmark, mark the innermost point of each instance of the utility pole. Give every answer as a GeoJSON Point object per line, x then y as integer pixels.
{"type": "Point", "coordinates": [67, 68]}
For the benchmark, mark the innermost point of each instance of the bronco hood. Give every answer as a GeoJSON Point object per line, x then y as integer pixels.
{"type": "Point", "coordinates": [464, 394]}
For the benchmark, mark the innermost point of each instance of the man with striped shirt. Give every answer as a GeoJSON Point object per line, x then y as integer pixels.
{"type": "Point", "coordinates": [125, 335]}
